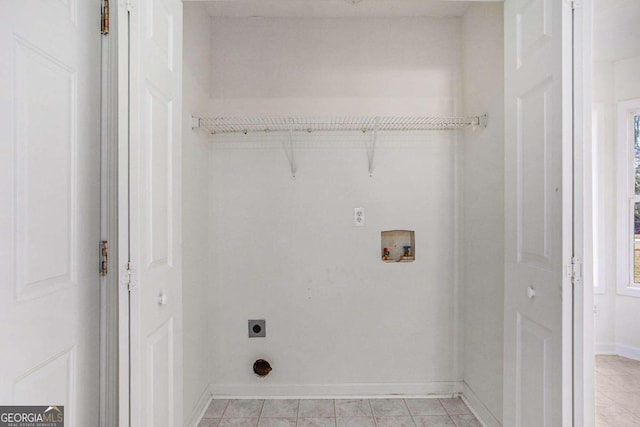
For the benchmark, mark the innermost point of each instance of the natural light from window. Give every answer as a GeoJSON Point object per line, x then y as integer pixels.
{"type": "Point", "coordinates": [628, 200]}
{"type": "Point", "coordinates": [636, 210]}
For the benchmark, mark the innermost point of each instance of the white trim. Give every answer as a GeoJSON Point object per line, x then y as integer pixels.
{"type": "Point", "coordinates": [612, 348]}
{"type": "Point", "coordinates": [482, 413]}
{"type": "Point", "coordinates": [580, 398]}
{"type": "Point", "coordinates": [606, 348]}
{"type": "Point", "coordinates": [201, 407]}
{"type": "Point", "coordinates": [626, 198]}
{"type": "Point", "coordinates": [109, 229]}
{"type": "Point", "coordinates": [571, 111]}
{"type": "Point", "coordinates": [122, 36]}
{"type": "Point", "coordinates": [431, 389]}
{"type": "Point", "coordinates": [628, 351]}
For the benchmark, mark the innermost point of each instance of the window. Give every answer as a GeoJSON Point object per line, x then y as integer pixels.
{"type": "Point", "coordinates": [635, 122]}
{"type": "Point", "coordinates": [629, 198]}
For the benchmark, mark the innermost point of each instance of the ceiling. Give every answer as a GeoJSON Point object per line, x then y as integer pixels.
{"type": "Point", "coordinates": [336, 8]}
{"type": "Point", "coordinates": [616, 29]}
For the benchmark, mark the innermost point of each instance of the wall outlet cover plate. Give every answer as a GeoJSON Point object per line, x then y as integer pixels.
{"type": "Point", "coordinates": [358, 217]}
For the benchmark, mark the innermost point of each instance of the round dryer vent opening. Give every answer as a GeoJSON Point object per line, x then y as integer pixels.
{"type": "Point", "coordinates": [262, 368]}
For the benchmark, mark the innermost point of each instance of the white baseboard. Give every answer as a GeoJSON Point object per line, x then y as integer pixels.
{"type": "Point", "coordinates": [628, 351]}
{"type": "Point", "coordinates": [606, 348]}
{"type": "Point", "coordinates": [200, 408]}
{"type": "Point", "coordinates": [433, 389]}
{"type": "Point", "coordinates": [482, 413]}
{"type": "Point", "coordinates": [619, 349]}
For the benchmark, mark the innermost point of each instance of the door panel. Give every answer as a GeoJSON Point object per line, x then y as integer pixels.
{"type": "Point", "coordinates": [161, 392]}
{"type": "Point", "coordinates": [534, 28]}
{"type": "Point", "coordinates": [158, 160]}
{"type": "Point", "coordinates": [156, 297]}
{"type": "Point", "coordinates": [46, 147]}
{"type": "Point", "coordinates": [533, 370]}
{"type": "Point", "coordinates": [538, 212]}
{"type": "Point", "coordinates": [533, 145]}
{"type": "Point", "coordinates": [49, 381]}
{"type": "Point", "coordinates": [49, 205]}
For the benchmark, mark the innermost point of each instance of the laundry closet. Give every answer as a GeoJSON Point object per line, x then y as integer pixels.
{"type": "Point", "coordinates": [311, 131]}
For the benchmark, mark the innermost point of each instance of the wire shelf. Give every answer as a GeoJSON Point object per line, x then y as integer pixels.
{"type": "Point", "coordinates": [226, 125]}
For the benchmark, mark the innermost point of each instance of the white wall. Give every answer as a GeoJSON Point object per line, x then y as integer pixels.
{"type": "Point", "coordinates": [195, 195]}
{"type": "Point", "coordinates": [339, 320]}
{"type": "Point", "coordinates": [616, 318]}
{"type": "Point", "coordinates": [483, 208]}
{"type": "Point", "coordinates": [605, 293]}
{"type": "Point", "coordinates": [334, 66]}
{"type": "Point", "coordinates": [626, 87]}
{"type": "Point", "coordinates": [625, 79]}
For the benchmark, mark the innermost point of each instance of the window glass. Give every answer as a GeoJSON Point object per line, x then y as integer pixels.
{"type": "Point", "coordinates": [636, 243]}
{"type": "Point", "coordinates": [636, 210]}
{"type": "Point", "coordinates": [636, 140]}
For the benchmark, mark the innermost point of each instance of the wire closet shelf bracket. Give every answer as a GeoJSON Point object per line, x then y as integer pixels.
{"type": "Point", "coordinates": [366, 124]}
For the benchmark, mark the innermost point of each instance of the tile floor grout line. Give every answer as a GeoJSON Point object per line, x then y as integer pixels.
{"type": "Point", "coordinates": [375, 421]}
{"type": "Point", "coordinates": [260, 414]}
{"type": "Point", "coordinates": [463, 418]}
{"type": "Point", "coordinates": [415, 424]}
{"type": "Point", "coordinates": [447, 411]}
{"type": "Point", "coordinates": [335, 417]}
{"type": "Point", "coordinates": [224, 411]}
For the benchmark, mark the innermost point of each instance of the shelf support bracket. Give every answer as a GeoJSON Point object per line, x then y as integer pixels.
{"type": "Point", "coordinates": [483, 121]}
{"type": "Point", "coordinates": [287, 145]}
{"type": "Point", "coordinates": [195, 123]}
{"type": "Point", "coordinates": [370, 145]}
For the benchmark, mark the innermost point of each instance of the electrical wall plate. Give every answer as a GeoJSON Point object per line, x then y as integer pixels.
{"type": "Point", "coordinates": [257, 328]}
{"type": "Point", "coordinates": [358, 217]}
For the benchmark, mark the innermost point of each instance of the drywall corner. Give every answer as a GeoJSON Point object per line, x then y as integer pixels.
{"type": "Point", "coordinates": [195, 205]}
{"type": "Point", "coordinates": [483, 207]}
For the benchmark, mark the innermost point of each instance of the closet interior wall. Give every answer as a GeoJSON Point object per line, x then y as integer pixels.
{"type": "Point", "coordinates": [195, 213]}
{"type": "Point", "coordinates": [483, 210]}
{"type": "Point", "coordinates": [260, 244]}
{"type": "Point", "coordinates": [339, 320]}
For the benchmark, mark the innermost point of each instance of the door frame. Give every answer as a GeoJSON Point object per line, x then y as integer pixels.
{"type": "Point", "coordinates": [121, 69]}
{"type": "Point", "coordinates": [126, 66]}
{"type": "Point", "coordinates": [109, 336]}
{"type": "Point", "coordinates": [580, 315]}
{"type": "Point", "coordinates": [583, 220]}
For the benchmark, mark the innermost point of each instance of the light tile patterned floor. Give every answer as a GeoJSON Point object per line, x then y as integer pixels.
{"type": "Point", "coordinates": [617, 392]}
{"type": "Point", "coordinates": [339, 413]}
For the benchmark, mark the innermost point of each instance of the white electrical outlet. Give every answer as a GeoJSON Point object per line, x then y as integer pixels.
{"type": "Point", "coordinates": [358, 217]}
{"type": "Point", "coordinates": [596, 310]}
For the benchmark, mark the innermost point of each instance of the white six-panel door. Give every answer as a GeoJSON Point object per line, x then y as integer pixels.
{"type": "Point", "coordinates": [538, 119]}
{"type": "Point", "coordinates": [155, 212]}
{"type": "Point", "coordinates": [49, 205]}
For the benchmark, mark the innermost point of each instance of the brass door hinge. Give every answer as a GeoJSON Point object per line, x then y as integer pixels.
{"type": "Point", "coordinates": [104, 20]}
{"type": "Point", "coordinates": [104, 258]}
